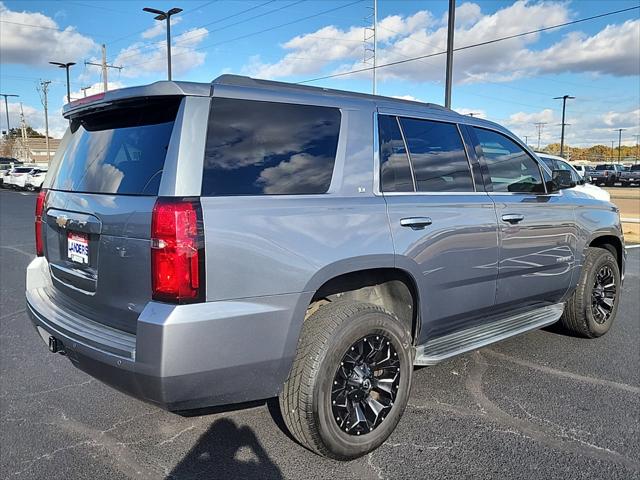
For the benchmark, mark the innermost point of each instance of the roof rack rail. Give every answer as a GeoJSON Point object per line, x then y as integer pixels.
{"type": "Point", "coordinates": [244, 81]}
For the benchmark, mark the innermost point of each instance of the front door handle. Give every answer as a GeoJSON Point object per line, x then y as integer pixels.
{"type": "Point", "coordinates": [416, 223]}
{"type": "Point", "coordinates": [512, 218]}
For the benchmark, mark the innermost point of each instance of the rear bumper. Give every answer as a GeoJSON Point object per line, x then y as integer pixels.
{"type": "Point", "coordinates": [182, 356]}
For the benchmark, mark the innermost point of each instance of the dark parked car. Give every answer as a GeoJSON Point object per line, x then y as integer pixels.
{"type": "Point", "coordinates": [207, 244]}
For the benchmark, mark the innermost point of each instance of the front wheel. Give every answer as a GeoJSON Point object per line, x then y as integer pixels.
{"type": "Point", "coordinates": [592, 308]}
{"type": "Point", "coordinates": [350, 380]}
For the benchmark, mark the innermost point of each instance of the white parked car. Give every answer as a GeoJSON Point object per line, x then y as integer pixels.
{"type": "Point", "coordinates": [581, 169]}
{"type": "Point", "coordinates": [559, 163]}
{"type": "Point", "coordinates": [17, 177]}
{"type": "Point", "coordinates": [34, 179]}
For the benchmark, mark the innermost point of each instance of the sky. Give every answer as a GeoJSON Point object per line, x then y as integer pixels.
{"type": "Point", "coordinates": [512, 82]}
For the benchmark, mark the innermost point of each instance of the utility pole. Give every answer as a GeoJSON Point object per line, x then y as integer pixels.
{"type": "Point", "coordinates": [6, 108]}
{"type": "Point", "coordinates": [84, 90]}
{"type": "Point", "coordinates": [612, 150]}
{"type": "Point", "coordinates": [160, 15]}
{"type": "Point", "coordinates": [66, 66]}
{"type": "Point", "coordinates": [449, 72]}
{"type": "Point", "coordinates": [526, 140]}
{"type": "Point", "coordinates": [619, 130]}
{"type": "Point", "coordinates": [44, 88]}
{"type": "Point", "coordinates": [564, 106]}
{"type": "Point", "coordinates": [540, 126]}
{"type": "Point", "coordinates": [105, 66]}
{"type": "Point", "coordinates": [375, 46]}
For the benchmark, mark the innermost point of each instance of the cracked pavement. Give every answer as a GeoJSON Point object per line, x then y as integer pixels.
{"type": "Point", "coordinates": [542, 405]}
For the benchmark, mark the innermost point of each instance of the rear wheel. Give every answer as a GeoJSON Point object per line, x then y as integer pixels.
{"type": "Point", "coordinates": [350, 380]}
{"type": "Point", "coordinates": [592, 308]}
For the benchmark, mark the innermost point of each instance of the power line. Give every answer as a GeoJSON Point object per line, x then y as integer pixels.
{"type": "Point", "coordinates": [158, 45]}
{"type": "Point", "coordinates": [488, 42]}
{"type": "Point", "coordinates": [251, 34]}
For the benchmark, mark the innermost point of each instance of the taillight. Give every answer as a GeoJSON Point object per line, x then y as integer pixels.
{"type": "Point", "coordinates": [177, 251]}
{"type": "Point", "coordinates": [39, 211]}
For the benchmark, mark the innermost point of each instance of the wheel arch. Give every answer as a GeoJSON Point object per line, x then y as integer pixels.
{"type": "Point", "coordinates": [611, 243]}
{"type": "Point", "coordinates": [389, 287]}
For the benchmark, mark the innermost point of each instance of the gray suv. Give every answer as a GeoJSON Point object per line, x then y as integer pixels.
{"type": "Point", "coordinates": [208, 244]}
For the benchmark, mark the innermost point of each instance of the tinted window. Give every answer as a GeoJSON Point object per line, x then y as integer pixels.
{"type": "Point", "coordinates": [437, 156]}
{"type": "Point", "coordinates": [119, 150]}
{"type": "Point", "coordinates": [511, 169]}
{"type": "Point", "coordinates": [549, 162]}
{"type": "Point", "coordinates": [604, 167]}
{"type": "Point", "coordinates": [395, 173]}
{"type": "Point", "coordinates": [560, 165]}
{"type": "Point", "coordinates": [264, 148]}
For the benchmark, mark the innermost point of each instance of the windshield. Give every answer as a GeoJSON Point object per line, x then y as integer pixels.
{"type": "Point", "coordinates": [120, 150]}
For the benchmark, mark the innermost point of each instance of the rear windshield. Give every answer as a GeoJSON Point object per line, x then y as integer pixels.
{"type": "Point", "coordinates": [22, 169]}
{"type": "Point", "coordinates": [119, 150]}
{"type": "Point", "coordinates": [604, 167]}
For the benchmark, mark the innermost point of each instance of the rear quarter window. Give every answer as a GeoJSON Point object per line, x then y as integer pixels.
{"type": "Point", "coordinates": [268, 148]}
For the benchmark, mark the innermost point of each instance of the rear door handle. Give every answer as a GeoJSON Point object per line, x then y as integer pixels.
{"type": "Point", "coordinates": [512, 218]}
{"type": "Point", "coordinates": [416, 223]}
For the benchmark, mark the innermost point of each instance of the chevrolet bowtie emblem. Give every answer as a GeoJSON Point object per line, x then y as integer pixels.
{"type": "Point", "coordinates": [62, 221]}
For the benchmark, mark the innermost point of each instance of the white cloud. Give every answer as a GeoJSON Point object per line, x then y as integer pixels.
{"type": "Point", "coordinates": [39, 40]}
{"type": "Point", "coordinates": [629, 119]}
{"type": "Point", "coordinates": [34, 117]}
{"type": "Point", "coordinates": [160, 28]}
{"type": "Point", "coordinates": [93, 90]}
{"type": "Point", "coordinates": [582, 129]}
{"type": "Point", "coordinates": [139, 60]}
{"type": "Point", "coordinates": [614, 50]}
{"type": "Point", "coordinates": [408, 97]}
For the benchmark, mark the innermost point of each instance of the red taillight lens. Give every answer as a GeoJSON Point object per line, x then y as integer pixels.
{"type": "Point", "coordinates": [39, 212]}
{"type": "Point", "coordinates": [177, 251]}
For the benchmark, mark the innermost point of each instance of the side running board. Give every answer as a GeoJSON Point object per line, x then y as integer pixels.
{"type": "Point", "coordinates": [441, 348]}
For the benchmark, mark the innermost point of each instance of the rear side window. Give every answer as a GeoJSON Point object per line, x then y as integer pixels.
{"type": "Point", "coordinates": [395, 172]}
{"type": "Point", "coordinates": [511, 169]}
{"type": "Point", "coordinates": [266, 148]}
{"type": "Point", "coordinates": [437, 155]}
{"type": "Point", "coordinates": [119, 150]}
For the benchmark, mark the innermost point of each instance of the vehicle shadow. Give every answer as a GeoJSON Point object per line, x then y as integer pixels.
{"type": "Point", "coordinates": [226, 451]}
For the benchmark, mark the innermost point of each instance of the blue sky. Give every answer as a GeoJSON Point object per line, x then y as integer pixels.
{"type": "Point", "coordinates": [512, 82]}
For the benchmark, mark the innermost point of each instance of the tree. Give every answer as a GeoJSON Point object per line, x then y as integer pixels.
{"type": "Point", "coordinates": [31, 133]}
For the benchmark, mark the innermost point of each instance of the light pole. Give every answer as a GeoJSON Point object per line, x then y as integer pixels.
{"type": "Point", "coordinates": [66, 66]}
{"type": "Point", "coordinates": [564, 105]}
{"type": "Point", "coordinates": [6, 107]}
{"type": "Point", "coordinates": [451, 25]}
{"type": "Point", "coordinates": [619, 130]}
{"type": "Point", "coordinates": [612, 150]}
{"type": "Point", "coordinates": [160, 15]}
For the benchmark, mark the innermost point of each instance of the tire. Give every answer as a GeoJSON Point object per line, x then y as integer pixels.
{"type": "Point", "coordinates": [579, 318]}
{"type": "Point", "coordinates": [309, 402]}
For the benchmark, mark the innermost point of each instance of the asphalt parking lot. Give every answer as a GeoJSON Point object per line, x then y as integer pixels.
{"type": "Point", "coordinates": [542, 405]}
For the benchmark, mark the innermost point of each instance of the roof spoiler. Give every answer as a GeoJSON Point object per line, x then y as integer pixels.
{"type": "Point", "coordinates": [157, 89]}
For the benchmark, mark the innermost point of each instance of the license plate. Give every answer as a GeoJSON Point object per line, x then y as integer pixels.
{"type": "Point", "coordinates": [78, 247]}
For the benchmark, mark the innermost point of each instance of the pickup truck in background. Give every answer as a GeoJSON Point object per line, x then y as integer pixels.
{"type": "Point", "coordinates": [607, 174]}
{"type": "Point", "coordinates": [630, 175]}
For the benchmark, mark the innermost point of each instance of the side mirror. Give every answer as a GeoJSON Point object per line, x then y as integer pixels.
{"type": "Point", "coordinates": [563, 179]}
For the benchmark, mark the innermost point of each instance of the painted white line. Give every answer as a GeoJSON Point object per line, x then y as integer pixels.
{"type": "Point", "coordinates": [630, 220]}
{"type": "Point", "coordinates": [629, 247]}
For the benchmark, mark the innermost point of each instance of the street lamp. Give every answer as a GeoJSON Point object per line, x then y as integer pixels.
{"type": "Point", "coordinates": [6, 106]}
{"type": "Point", "coordinates": [564, 105]}
{"type": "Point", "coordinates": [66, 66]}
{"type": "Point", "coordinates": [165, 16]}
